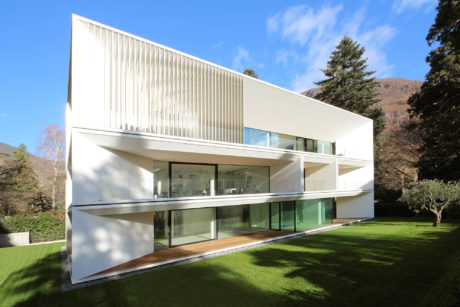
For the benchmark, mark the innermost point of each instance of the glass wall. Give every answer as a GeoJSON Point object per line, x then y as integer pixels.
{"type": "Point", "coordinates": [287, 215]}
{"type": "Point", "coordinates": [278, 140]}
{"type": "Point", "coordinates": [208, 180]}
{"type": "Point", "coordinates": [275, 216]}
{"type": "Point", "coordinates": [196, 225]}
{"type": "Point", "coordinates": [313, 213]}
{"type": "Point", "coordinates": [283, 141]}
{"type": "Point", "coordinates": [161, 179]}
{"type": "Point", "coordinates": [256, 137]}
{"type": "Point", "coordinates": [237, 220]}
{"type": "Point", "coordinates": [325, 147]}
{"type": "Point", "coordinates": [236, 179]}
{"type": "Point", "coordinates": [193, 180]}
{"type": "Point", "coordinates": [160, 230]}
{"type": "Point", "coordinates": [193, 225]}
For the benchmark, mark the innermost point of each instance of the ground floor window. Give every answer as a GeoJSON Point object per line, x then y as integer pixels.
{"type": "Point", "coordinates": [237, 220]}
{"type": "Point", "coordinates": [179, 227]}
{"type": "Point", "coordinates": [193, 225]}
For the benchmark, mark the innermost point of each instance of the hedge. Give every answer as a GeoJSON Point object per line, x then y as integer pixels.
{"type": "Point", "coordinates": [43, 227]}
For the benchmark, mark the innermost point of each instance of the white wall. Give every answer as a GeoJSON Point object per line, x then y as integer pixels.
{"type": "Point", "coordinates": [274, 109]}
{"type": "Point", "coordinates": [356, 178]}
{"type": "Point", "coordinates": [356, 206]}
{"type": "Point", "coordinates": [320, 178]}
{"type": "Point", "coordinates": [105, 174]}
{"type": "Point", "coordinates": [357, 143]}
{"type": "Point", "coordinates": [101, 242]}
{"type": "Point", "coordinates": [287, 177]}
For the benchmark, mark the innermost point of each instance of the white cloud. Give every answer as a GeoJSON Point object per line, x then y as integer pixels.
{"type": "Point", "coordinates": [315, 33]}
{"type": "Point", "coordinates": [241, 57]}
{"type": "Point", "coordinates": [285, 56]}
{"type": "Point", "coordinates": [217, 45]}
{"type": "Point", "coordinates": [400, 6]}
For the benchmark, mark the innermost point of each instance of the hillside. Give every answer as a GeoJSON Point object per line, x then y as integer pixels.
{"type": "Point", "coordinates": [393, 93]}
{"type": "Point", "coordinates": [43, 168]}
{"type": "Point", "coordinates": [6, 149]}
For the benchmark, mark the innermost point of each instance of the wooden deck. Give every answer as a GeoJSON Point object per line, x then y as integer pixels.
{"type": "Point", "coordinates": [194, 249]}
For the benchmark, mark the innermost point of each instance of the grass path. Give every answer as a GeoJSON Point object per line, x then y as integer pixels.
{"type": "Point", "coordinates": [388, 262]}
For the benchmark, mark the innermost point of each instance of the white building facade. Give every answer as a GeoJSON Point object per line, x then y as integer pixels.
{"type": "Point", "coordinates": [164, 149]}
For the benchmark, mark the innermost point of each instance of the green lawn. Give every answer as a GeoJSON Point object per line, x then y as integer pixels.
{"type": "Point", "coordinates": [389, 262]}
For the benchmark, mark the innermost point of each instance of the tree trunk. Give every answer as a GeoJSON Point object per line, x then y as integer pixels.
{"type": "Point", "coordinates": [53, 193]}
{"type": "Point", "coordinates": [437, 222]}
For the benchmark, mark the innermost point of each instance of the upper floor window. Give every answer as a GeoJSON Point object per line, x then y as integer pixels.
{"type": "Point", "coordinates": [278, 140]}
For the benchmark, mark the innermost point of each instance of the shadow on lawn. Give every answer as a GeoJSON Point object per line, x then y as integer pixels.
{"type": "Point", "coordinates": [390, 270]}
{"type": "Point", "coordinates": [342, 270]}
{"type": "Point", "coordinates": [196, 284]}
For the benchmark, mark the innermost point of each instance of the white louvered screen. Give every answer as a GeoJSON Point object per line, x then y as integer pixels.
{"type": "Point", "coordinates": [120, 82]}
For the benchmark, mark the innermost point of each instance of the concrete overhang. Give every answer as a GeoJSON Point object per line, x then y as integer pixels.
{"type": "Point", "coordinates": [149, 205]}
{"type": "Point", "coordinates": [168, 148]}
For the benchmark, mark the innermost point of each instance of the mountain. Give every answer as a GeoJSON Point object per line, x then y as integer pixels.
{"type": "Point", "coordinates": [6, 149]}
{"type": "Point", "coordinates": [393, 95]}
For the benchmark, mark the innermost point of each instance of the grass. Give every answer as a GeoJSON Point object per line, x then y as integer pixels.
{"type": "Point", "coordinates": [388, 262]}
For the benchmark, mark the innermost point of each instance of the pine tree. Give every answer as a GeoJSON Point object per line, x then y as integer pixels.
{"type": "Point", "coordinates": [437, 105]}
{"type": "Point", "coordinates": [24, 181]}
{"type": "Point", "coordinates": [349, 86]}
{"type": "Point", "coordinates": [250, 72]}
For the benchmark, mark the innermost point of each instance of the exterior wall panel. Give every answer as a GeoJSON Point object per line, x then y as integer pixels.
{"type": "Point", "coordinates": [131, 84]}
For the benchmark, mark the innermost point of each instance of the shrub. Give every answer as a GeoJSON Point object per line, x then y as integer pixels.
{"type": "Point", "coordinates": [46, 226]}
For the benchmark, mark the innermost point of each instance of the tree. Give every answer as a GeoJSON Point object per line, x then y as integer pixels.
{"type": "Point", "coordinates": [349, 86]}
{"type": "Point", "coordinates": [51, 146]}
{"type": "Point", "coordinates": [250, 72]}
{"type": "Point", "coordinates": [400, 157]}
{"type": "Point", "coordinates": [432, 195]}
{"type": "Point", "coordinates": [437, 105]}
{"type": "Point", "coordinates": [23, 181]}
{"type": "Point", "coordinates": [7, 170]}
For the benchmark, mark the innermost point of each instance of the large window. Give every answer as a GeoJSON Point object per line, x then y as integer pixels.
{"type": "Point", "coordinates": [160, 230]}
{"type": "Point", "coordinates": [193, 180]}
{"type": "Point", "coordinates": [208, 179]}
{"type": "Point", "coordinates": [301, 214]}
{"type": "Point", "coordinates": [278, 140]}
{"type": "Point", "coordinates": [193, 225]}
{"type": "Point", "coordinates": [161, 179]}
{"type": "Point", "coordinates": [256, 137]}
{"type": "Point", "coordinates": [313, 213]}
{"type": "Point", "coordinates": [236, 179]}
{"type": "Point", "coordinates": [283, 141]}
{"type": "Point", "coordinates": [236, 220]}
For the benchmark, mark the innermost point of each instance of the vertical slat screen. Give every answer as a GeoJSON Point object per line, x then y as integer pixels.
{"type": "Point", "coordinates": [147, 88]}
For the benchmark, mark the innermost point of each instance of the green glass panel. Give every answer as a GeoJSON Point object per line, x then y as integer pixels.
{"type": "Point", "coordinates": [325, 147]}
{"type": "Point", "coordinates": [313, 213]}
{"type": "Point", "coordinates": [275, 216]}
{"type": "Point", "coordinates": [160, 230]}
{"type": "Point", "coordinates": [237, 220]}
{"type": "Point", "coordinates": [283, 141]}
{"type": "Point", "coordinates": [287, 215]}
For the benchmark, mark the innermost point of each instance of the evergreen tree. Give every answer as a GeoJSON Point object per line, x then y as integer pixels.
{"type": "Point", "coordinates": [250, 72]}
{"type": "Point", "coordinates": [437, 105]}
{"type": "Point", "coordinates": [24, 181]}
{"type": "Point", "coordinates": [349, 86]}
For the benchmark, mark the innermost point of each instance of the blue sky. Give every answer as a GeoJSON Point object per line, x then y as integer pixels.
{"type": "Point", "coordinates": [285, 42]}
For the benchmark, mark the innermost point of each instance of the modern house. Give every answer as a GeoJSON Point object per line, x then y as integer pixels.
{"type": "Point", "coordinates": [165, 150]}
